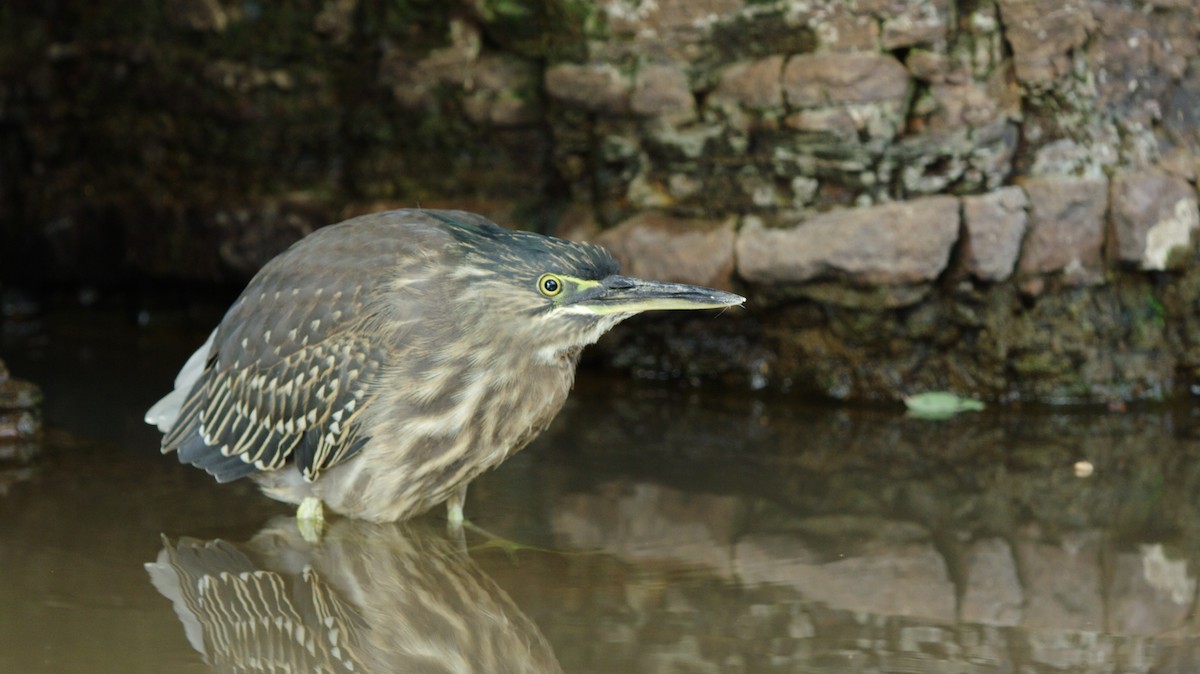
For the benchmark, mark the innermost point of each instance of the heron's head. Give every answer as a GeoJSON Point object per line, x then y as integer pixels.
{"type": "Point", "coordinates": [560, 295]}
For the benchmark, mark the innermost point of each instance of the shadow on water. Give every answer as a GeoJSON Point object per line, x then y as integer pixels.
{"type": "Point", "coordinates": [665, 530]}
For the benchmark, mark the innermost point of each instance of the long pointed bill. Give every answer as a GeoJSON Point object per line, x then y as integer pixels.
{"type": "Point", "coordinates": [624, 294]}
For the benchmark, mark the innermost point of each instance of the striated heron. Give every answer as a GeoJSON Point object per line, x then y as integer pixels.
{"type": "Point", "coordinates": [379, 365]}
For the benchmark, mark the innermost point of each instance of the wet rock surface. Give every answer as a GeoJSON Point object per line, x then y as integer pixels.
{"type": "Point", "coordinates": [20, 418]}
{"type": "Point", "coordinates": [1048, 147]}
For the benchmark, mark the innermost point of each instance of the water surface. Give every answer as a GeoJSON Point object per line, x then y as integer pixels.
{"type": "Point", "coordinates": [653, 528]}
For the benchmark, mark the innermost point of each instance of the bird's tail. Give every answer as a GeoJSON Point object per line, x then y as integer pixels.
{"type": "Point", "coordinates": [164, 412]}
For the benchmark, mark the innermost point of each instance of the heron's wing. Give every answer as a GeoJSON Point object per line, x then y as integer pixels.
{"type": "Point", "coordinates": [241, 618]}
{"type": "Point", "coordinates": [303, 407]}
{"type": "Point", "coordinates": [297, 357]}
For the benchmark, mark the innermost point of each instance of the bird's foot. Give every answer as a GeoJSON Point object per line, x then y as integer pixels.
{"type": "Point", "coordinates": [507, 545]}
{"type": "Point", "coordinates": [310, 519]}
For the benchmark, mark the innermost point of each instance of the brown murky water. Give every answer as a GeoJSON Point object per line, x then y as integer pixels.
{"type": "Point", "coordinates": [661, 530]}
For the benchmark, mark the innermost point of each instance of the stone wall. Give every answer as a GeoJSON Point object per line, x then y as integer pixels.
{"type": "Point", "coordinates": [992, 196]}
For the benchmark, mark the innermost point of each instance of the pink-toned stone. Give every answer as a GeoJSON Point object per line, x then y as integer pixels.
{"type": "Point", "coordinates": [887, 577]}
{"type": "Point", "coordinates": [992, 593]}
{"type": "Point", "coordinates": [658, 19]}
{"type": "Point", "coordinates": [995, 225]}
{"type": "Point", "coordinates": [656, 245]}
{"type": "Point", "coordinates": [660, 90]}
{"type": "Point", "coordinates": [1043, 35]}
{"type": "Point", "coordinates": [910, 23]}
{"type": "Point", "coordinates": [1149, 592]}
{"type": "Point", "coordinates": [835, 121]}
{"type": "Point", "coordinates": [927, 65]}
{"type": "Point", "coordinates": [813, 80]}
{"type": "Point", "coordinates": [1153, 214]}
{"type": "Point", "coordinates": [752, 84]}
{"type": "Point", "coordinates": [1062, 583]}
{"type": "Point", "coordinates": [843, 31]}
{"type": "Point", "coordinates": [897, 243]}
{"type": "Point", "coordinates": [969, 104]}
{"type": "Point", "coordinates": [598, 87]}
{"type": "Point", "coordinates": [1066, 227]}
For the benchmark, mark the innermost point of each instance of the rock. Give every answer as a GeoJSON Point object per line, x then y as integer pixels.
{"type": "Point", "coordinates": [1043, 35]}
{"type": "Point", "coordinates": [839, 122]}
{"type": "Point", "coordinates": [1142, 57]}
{"type": "Point", "coordinates": [415, 84]}
{"type": "Point", "coordinates": [993, 593]}
{"type": "Point", "coordinates": [816, 80]}
{"type": "Point", "coordinates": [1149, 593]}
{"type": "Point", "coordinates": [1062, 583]}
{"type": "Point", "coordinates": [869, 298]}
{"type": "Point", "coordinates": [197, 15]}
{"type": "Point", "coordinates": [887, 577]}
{"type": "Point", "coordinates": [1066, 157]}
{"type": "Point", "coordinates": [962, 105]}
{"type": "Point", "coordinates": [661, 90]}
{"type": "Point", "coordinates": [930, 66]}
{"type": "Point", "coordinates": [1180, 162]}
{"type": "Point", "coordinates": [596, 87]}
{"type": "Point", "coordinates": [503, 92]}
{"type": "Point", "coordinates": [685, 250]}
{"type": "Point", "coordinates": [752, 84]}
{"type": "Point", "coordinates": [243, 78]}
{"type": "Point", "coordinates": [897, 243]}
{"type": "Point", "coordinates": [336, 20]}
{"type": "Point", "coordinates": [651, 20]}
{"type": "Point", "coordinates": [1066, 227]}
{"type": "Point", "coordinates": [919, 22]}
{"type": "Point", "coordinates": [577, 222]}
{"type": "Point", "coordinates": [646, 521]}
{"type": "Point", "coordinates": [1153, 215]}
{"type": "Point", "coordinates": [20, 418]}
{"type": "Point", "coordinates": [841, 30]}
{"type": "Point", "coordinates": [497, 89]}
{"type": "Point", "coordinates": [846, 94]}
{"type": "Point", "coordinates": [995, 225]}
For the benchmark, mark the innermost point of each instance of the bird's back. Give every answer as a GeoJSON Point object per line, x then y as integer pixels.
{"type": "Point", "coordinates": [294, 360]}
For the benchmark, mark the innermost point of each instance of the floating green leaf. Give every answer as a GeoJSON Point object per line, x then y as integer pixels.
{"type": "Point", "coordinates": [939, 405]}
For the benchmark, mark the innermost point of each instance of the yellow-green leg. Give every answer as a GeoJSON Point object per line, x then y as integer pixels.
{"type": "Point", "coordinates": [310, 519]}
{"type": "Point", "coordinates": [454, 508]}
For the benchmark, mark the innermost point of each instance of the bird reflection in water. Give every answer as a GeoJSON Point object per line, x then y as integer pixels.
{"type": "Point", "coordinates": [366, 598]}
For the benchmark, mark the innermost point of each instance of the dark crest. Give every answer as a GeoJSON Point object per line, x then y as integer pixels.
{"type": "Point", "coordinates": [499, 249]}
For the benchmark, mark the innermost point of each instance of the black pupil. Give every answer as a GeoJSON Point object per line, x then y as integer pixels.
{"type": "Point", "coordinates": [551, 285]}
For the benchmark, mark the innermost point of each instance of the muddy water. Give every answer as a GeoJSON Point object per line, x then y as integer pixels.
{"type": "Point", "coordinates": [652, 529]}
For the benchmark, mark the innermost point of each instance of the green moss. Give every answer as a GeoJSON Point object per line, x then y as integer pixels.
{"type": "Point", "coordinates": [550, 30]}
{"type": "Point", "coordinates": [761, 34]}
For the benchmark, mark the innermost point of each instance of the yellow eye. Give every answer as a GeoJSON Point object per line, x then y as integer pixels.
{"type": "Point", "coordinates": [550, 285]}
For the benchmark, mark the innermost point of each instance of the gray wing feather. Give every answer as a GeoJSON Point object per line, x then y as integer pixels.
{"type": "Point", "coordinates": [296, 359]}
